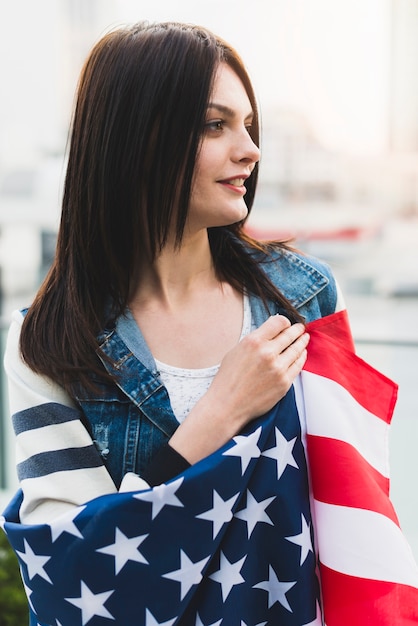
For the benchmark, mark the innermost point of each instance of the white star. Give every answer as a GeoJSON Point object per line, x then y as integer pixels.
{"type": "Point", "coordinates": [91, 604]}
{"type": "Point", "coordinates": [151, 621]}
{"type": "Point", "coordinates": [2, 521]}
{"type": "Point", "coordinates": [260, 624]}
{"type": "Point", "coordinates": [255, 512]}
{"type": "Point", "coordinates": [303, 540]}
{"type": "Point", "coordinates": [65, 524]}
{"type": "Point", "coordinates": [29, 592]}
{"type": "Point", "coordinates": [246, 448]}
{"type": "Point", "coordinates": [188, 574]}
{"type": "Point", "coordinates": [34, 562]}
{"type": "Point", "coordinates": [220, 513]}
{"type": "Point", "coordinates": [276, 589]}
{"type": "Point", "coordinates": [161, 496]}
{"type": "Point", "coordinates": [282, 453]}
{"type": "Point", "coordinates": [124, 549]}
{"type": "Point", "coordinates": [200, 623]}
{"type": "Point", "coordinates": [228, 575]}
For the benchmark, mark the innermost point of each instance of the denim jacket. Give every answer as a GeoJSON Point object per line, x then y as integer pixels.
{"type": "Point", "coordinates": [130, 420]}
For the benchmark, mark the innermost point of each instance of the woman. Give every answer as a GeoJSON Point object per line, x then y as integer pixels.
{"type": "Point", "coordinates": [159, 367]}
{"type": "Point", "coordinates": [151, 249]}
{"type": "Point", "coordinates": [162, 329]}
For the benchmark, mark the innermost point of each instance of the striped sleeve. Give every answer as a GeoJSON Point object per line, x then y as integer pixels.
{"type": "Point", "coordinates": [57, 463]}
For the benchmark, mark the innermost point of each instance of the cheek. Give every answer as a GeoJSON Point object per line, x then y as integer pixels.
{"type": "Point", "coordinates": [200, 178]}
{"type": "Point", "coordinates": [208, 160]}
{"type": "Point", "coordinates": [207, 171]}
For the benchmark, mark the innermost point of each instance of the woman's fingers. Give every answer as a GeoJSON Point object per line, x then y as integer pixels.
{"type": "Point", "coordinates": [277, 335]}
{"type": "Point", "coordinates": [295, 349]}
{"type": "Point", "coordinates": [296, 366]}
{"type": "Point", "coordinates": [272, 327]}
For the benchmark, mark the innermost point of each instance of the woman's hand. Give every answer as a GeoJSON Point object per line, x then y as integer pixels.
{"type": "Point", "coordinates": [252, 378]}
{"type": "Point", "coordinates": [259, 371]}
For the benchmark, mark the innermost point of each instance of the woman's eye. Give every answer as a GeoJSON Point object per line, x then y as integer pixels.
{"type": "Point", "coordinates": [215, 125]}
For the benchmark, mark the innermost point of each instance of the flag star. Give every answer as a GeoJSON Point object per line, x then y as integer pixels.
{"type": "Point", "coordinates": [200, 623]}
{"type": "Point", "coordinates": [91, 604]}
{"type": "Point", "coordinates": [260, 624]}
{"type": "Point", "coordinates": [220, 513]}
{"type": "Point", "coordinates": [28, 592]}
{"type": "Point", "coordinates": [34, 562]}
{"type": "Point", "coordinates": [282, 453]}
{"type": "Point", "coordinates": [246, 448]}
{"type": "Point", "coordinates": [124, 549]}
{"type": "Point", "coordinates": [255, 512]}
{"type": "Point", "coordinates": [151, 621]}
{"type": "Point", "coordinates": [188, 574]}
{"type": "Point", "coordinates": [161, 496]}
{"type": "Point", "coordinates": [65, 524]}
{"type": "Point", "coordinates": [228, 575]}
{"type": "Point", "coordinates": [303, 540]}
{"type": "Point", "coordinates": [276, 589]}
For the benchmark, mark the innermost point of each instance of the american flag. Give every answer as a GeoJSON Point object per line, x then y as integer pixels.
{"type": "Point", "coordinates": [231, 541]}
{"type": "Point", "coordinates": [368, 573]}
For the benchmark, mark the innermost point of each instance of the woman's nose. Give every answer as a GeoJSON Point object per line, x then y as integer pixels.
{"type": "Point", "coordinates": [247, 151]}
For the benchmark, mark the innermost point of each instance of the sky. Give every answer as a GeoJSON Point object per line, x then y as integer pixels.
{"type": "Point", "coordinates": [327, 60]}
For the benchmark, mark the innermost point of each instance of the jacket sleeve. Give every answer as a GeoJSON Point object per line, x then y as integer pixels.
{"type": "Point", "coordinates": [58, 465]}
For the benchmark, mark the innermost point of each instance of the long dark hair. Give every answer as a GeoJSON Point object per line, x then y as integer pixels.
{"type": "Point", "coordinates": [136, 130]}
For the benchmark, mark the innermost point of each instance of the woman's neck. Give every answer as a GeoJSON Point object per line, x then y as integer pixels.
{"type": "Point", "coordinates": [176, 274]}
{"type": "Point", "coordinates": [187, 316]}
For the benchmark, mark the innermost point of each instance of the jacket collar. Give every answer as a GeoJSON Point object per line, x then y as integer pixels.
{"type": "Point", "coordinates": [298, 280]}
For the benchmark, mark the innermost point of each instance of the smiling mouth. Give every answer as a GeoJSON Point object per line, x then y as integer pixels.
{"type": "Point", "coordinates": [234, 182]}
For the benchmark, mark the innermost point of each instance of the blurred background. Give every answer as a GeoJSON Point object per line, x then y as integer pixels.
{"type": "Point", "coordinates": [338, 89]}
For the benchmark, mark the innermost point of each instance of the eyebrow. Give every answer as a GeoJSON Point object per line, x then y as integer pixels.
{"type": "Point", "coordinates": [227, 110]}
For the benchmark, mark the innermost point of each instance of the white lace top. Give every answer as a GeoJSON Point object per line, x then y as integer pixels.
{"type": "Point", "coordinates": [186, 386]}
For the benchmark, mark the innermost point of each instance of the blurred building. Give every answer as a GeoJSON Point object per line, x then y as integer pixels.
{"type": "Point", "coordinates": [33, 133]}
{"type": "Point", "coordinates": [297, 170]}
{"type": "Point", "coordinates": [403, 97]}
{"type": "Point", "coordinates": [295, 166]}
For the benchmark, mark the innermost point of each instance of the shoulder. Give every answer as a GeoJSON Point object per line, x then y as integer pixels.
{"type": "Point", "coordinates": [12, 357]}
{"type": "Point", "coordinates": [306, 281]}
{"type": "Point", "coordinates": [26, 387]}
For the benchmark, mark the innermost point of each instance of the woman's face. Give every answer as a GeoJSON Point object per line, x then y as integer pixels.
{"type": "Point", "coordinates": [226, 158]}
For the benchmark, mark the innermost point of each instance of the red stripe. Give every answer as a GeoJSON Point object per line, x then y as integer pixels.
{"type": "Point", "coordinates": [341, 476]}
{"type": "Point", "coordinates": [355, 601]}
{"type": "Point", "coordinates": [336, 326]}
{"type": "Point", "coordinates": [328, 357]}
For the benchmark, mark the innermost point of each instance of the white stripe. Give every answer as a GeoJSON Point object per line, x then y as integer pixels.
{"type": "Point", "coordinates": [27, 389]}
{"type": "Point", "coordinates": [364, 544]}
{"type": "Point", "coordinates": [332, 412]}
{"type": "Point", "coordinates": [53, 495]}
{"type": "Point", "coordinates": [51, 438]}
